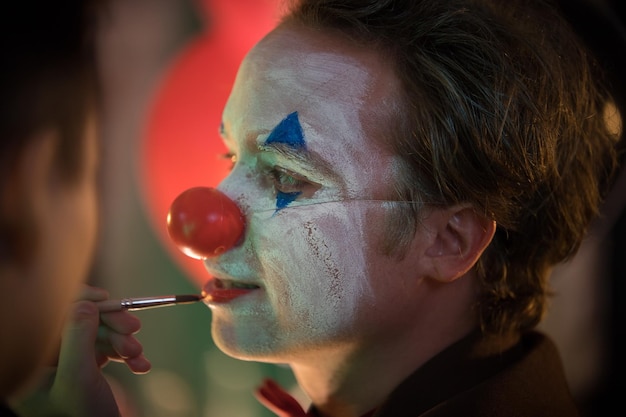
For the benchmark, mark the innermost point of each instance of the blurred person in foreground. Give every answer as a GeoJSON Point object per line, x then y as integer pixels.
{"type": "Point", "coordinates": [49, 215]}
{"type": "Point", "coordinates": [409, 171]}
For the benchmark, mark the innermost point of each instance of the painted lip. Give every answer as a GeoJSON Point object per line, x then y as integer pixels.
{"type": "Point", "coordinates": [225, 290]}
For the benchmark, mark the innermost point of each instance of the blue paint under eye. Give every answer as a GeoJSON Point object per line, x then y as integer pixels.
{"type": "Point", "coordinates": [284, 199]}
{"type": "Point", "coordinates": [289, 132]}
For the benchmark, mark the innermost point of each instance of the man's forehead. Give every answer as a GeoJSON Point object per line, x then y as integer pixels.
{"type": "Point", "coordinates": [299, 90]}
{"type": "Point", "coordinates": [317, 61]}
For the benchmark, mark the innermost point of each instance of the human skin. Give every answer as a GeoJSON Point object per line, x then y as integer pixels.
{"type": "Point", "coordinates": [45, 297]}
{"type": "Point", "coordinates": [65, 217]}
{"type": "Point", "coordinates": [329, 302]}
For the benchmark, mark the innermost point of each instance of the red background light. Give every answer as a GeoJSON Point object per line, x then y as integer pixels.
{"type": "Point", "coordinates": [181, 147]}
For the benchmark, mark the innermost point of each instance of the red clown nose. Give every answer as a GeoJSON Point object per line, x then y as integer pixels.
{"type": "Point", "coordinates": [203, 222]}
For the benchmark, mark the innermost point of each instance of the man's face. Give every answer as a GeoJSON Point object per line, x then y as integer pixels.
{"type": "Point", "coordinates": [305, 124]}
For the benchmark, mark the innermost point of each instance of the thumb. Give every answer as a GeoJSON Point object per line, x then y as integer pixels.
{"type": "Point", "coordinates": [78, 353]}
{"type": "Point", "coordinates": [79, 386]}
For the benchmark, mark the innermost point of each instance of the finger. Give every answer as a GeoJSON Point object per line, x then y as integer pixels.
{"type": "Point", "coordinates": [118, 345]}
{"type": "Point", "coordinates": [92, 293]}
{"type": "Point", "coordinates": [139, 364]}
{"type": "Point", "coordinates": [127, 351]}
{"type": "Point", "coordinates": [79, 388]}
{"type": "Point", "coordinates": [88, 293]}
{"type": "Point", "coordinates": [121, 322]}
{"type": "Point", "coordinates": [78, 345]}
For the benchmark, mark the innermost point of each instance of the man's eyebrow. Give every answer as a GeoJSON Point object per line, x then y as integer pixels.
{"type": "Point", "coordinates": [300, 154]}
{"type": "Point", "coordinates": [305, 157]}
{"type": "Point", "coordinates": [288, 151]}
{"type": "Point", "coordinates": [287, 140]}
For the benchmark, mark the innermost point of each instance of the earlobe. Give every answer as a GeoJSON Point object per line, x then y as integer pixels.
{"type": "Point", "coordinates": [459, 239]}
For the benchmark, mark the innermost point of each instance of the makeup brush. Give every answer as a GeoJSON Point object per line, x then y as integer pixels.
{"type": "Point", "coordinates": [143, 303]}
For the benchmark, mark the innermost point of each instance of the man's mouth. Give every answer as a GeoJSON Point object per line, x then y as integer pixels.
{"type": "Point", "coordinates": [229, 284]}
{"type": "Point", "coordinates": [224, 290]}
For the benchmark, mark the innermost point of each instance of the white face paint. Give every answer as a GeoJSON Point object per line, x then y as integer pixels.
{"type": "Point", "coordinates": [323, 280]}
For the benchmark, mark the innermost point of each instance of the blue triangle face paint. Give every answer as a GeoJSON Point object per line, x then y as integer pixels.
{"type": "Point", "coordinates": [283, 199]}
{"type": "Point", "coordinates": [289, 132]}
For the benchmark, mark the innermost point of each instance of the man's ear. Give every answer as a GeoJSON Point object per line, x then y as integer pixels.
{"type": "Point", "coordinates": [459, 237]}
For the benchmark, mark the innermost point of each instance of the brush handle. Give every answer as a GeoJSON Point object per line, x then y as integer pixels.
{"type": "Point", "coordinates": [143, 303]}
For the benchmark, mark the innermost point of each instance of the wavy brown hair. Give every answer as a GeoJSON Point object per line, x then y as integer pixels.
{"type": "Point", "coordinates": [502, 108]}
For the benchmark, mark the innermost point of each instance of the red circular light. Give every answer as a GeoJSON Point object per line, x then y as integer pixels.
{"type": "Point", "coordinates": [180, 142]}
{"type": "Point", "coordinates": [203, 222]}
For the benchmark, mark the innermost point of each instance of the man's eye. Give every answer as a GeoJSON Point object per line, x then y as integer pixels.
{"type": "Point", "coordinates": [232, 158]}
{"type": "Point", "coordinates": [287, 182]}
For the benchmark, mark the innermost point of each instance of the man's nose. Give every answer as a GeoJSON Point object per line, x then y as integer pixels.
{"type": "Point", "coordinates": [204, 222]}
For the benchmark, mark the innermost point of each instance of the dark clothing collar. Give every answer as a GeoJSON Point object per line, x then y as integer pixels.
{"type": "Point", "coordinates": [477, 376]}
